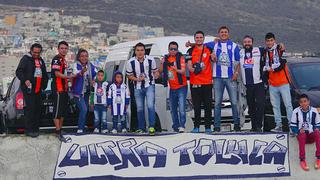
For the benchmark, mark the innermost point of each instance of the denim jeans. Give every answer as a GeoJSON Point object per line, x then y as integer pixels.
{"type": "Point", "coordinates": [82, 104]}
{"type": "Point", "coordinates": [177, 99]}
{"type": "Point", "coordinates": [140, 96]}
{"type": "Point", "coordinates": [123, 121]}
{"type": "Point", "coordinates": [219, 85]}
{"type": "Point", "coordinates": [100, 117]}
{"type": "Point", "coordinates": [275, 93]}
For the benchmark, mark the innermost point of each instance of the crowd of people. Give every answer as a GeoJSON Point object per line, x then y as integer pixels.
{"type": "Point", "coordinates": [217, 64]}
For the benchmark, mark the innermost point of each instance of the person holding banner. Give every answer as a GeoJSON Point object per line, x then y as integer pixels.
{"type": "Point", "coordinates": [305, 122]}
{"type": "Point", "coordinates": [173, 68]}
{"type": "Point", "coordinates": [142, 70]}
{"type": "Point", "coordinates": [200, 69]}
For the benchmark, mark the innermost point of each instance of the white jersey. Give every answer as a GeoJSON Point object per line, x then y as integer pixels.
{"type": "Point", "coordinates": [118, 98]}
{"type": "Point", "coordinates": [250, 66]}
{"type": "Point", "coordinates": [146, 69]}
{"type": "Point", "coordinates": [307, 120]}
{"type": "Point", "coordinates": [100, 93]}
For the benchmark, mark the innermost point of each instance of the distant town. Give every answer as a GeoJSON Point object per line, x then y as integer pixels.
{"type": "Point", "coordinates": [20, 29]}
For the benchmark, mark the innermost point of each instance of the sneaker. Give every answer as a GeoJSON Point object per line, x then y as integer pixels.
{"type": "Point", "coordinates": [96, 130]}
{"type": "Point", "coordinates": [237, 128]}
{"type": "Point", "coordinates": [317, 164]}
{"type": "Point", "coordinates": [139, 131]}
{"type": "Point", "coordinates": [3, 134]}
{"type": "Point", "coordinates": [114, 131]}
{"type": "Point", "coordinates": [61, 137]}
{"type": "Point", "coordinates": [181, 130]}
{"type": "Point", "coordinates": [216, 129]}
{"type": "Point", "coordinates": [303, 165]}
{"type": "Point", "coordinates": [105, 131]}
{"type": "Point", "coordinates": [124, 130]}
{"type": "Point", "coordinates": [79, 131]}
{"type": "Point", "coordinates": [208, 131]}
{"type": "Point", "coordinates": [195, 130]}
{"type": "Point", "coordinates": [151, 131]}
{"type": "Point", "coordinates": [277, 129]}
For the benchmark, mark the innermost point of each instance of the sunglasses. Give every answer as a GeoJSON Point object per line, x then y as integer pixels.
{"type": "Point", "coordinates": [173, 49]}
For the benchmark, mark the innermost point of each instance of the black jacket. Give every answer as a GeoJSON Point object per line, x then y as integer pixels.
{"type": "Point", "coordinates": [25, 71]}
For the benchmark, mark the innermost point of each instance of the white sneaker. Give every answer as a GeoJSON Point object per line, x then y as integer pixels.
{"type": "Point", "coordinates": [124, 130]}
{"type": "Point", "coordinates": [79, 131]}
{"type": "Point", "coordinates": [181, 130]}
{"type": "Point", "coordinates": [3, 134]}
{"type": "Point", "coordinates": [114, 131]}
{"type": "Point", "coordinates": [277, 129]}
{"type": "Point", "coordinates": [96, 130]}
{"type": "Point", "coordinates": [105, 131]}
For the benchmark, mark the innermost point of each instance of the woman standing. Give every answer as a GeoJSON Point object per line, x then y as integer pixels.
{"type": "Point", "coordinates": [85, 74]}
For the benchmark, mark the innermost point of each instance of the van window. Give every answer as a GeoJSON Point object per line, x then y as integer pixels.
{"type": "Point", "coordinates": [109, 69]}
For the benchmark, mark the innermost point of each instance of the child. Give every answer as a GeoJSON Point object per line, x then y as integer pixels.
{"type": "Point", "coordinates": [100, 103]}
{"type": "Point", "coordinates": [305, 122]}
{"type": "Point", "coordinates": [118, 101]}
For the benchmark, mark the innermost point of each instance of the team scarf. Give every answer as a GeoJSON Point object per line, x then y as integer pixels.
{"type": "Point", "coordinates": [275, 56]}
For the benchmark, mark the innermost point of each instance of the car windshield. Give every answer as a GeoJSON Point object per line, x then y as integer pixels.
{"type": "Point", "coordinates": [306, 76]}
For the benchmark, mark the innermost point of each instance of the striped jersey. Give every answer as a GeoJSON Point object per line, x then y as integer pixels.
{"type": "Point", "coordinates": [100, 93]}
{"type": "Point", "coordinates": [251, 66]}
{"type": "Point", "coordinates": [307, 120]}
{"type": "Point", "coordinates": [118, 98]}
{"type": "Point", "coordinates": [145, 68]}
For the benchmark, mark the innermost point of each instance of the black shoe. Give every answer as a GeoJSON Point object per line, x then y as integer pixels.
{"type": "Point", "coordinates": [32, 134]}
{"type": "Point", "coordinates": [237, 128]}
{"type": "Point", "coordinates": [258, 130]}
{"type": "Point", "coordinates": [216, 129]}
{"type": "Point", "coordinates": [60, 136]}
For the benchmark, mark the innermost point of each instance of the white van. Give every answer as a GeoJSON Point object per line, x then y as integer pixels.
{"type": "Point", "coordinates": [119, 54]}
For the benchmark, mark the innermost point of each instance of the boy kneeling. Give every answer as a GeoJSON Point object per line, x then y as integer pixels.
{"type": "Point", "coordinates": [305, 122]}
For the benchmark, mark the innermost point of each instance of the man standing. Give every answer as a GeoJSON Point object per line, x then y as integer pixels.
{"type": "Point", "coordinates": [174, 68]}
{"type": "Point", "coordinates": [33, 78]}
{"type": "Point", "coordinates": [201, 81]}
{"type": "Point", "coordinates": [251, 71]}
{"type": "Point", "coordinates": [226, 56]}
{"type": "Point", "coordinates": [142, 70]}
{"type": "Point", "coordinates": [59, 87]}
{"type": "Point", "coordinates": [278, 77]}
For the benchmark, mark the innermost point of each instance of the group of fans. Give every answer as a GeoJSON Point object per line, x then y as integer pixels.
{"type": "Point", "coordinates": [217, 64]}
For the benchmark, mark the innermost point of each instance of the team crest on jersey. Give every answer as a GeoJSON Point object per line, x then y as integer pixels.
{"type": "Point", "coordinates": [204, 55]}
{"type": "Point", "coordinates": [99, 92]}
{"type": "Point", "coordinates": [229, 47]}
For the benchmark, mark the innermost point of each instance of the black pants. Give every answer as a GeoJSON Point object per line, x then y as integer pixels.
{"type": "Point", "coordinates": [256, 103]}
{"type": "Point", "coordinates": [202, 95]}
{"type": "Point", "coordinates": [32, 112]}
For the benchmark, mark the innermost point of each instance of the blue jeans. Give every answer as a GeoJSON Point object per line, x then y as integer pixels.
{"type": "Point", "coordinates": [100, 117]}
{"type": "Point", "coordinates": [275, 93]}
{"type": "Point", "coordinates": [140, 96]}
{"type": "Point", "coordinates": [115, 121]}
{"type": "Point", "coordinates": [82, 104]}
{"type": "Point", "coordinates": [177, 99]}
{"type": "Point", "coordinates": [219, 85]}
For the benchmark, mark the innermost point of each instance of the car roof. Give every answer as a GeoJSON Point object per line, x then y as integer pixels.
{"type": "Point", "coordinates": [293, 60]}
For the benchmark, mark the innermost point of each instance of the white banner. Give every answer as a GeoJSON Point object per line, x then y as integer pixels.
{"type": "Point", "coordinates": [173, 156]}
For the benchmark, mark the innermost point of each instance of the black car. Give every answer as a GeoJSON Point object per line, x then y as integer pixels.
{"type": "Point", "coordinates": [11, 110]}
{"type": "Point", "coordinates": [304, 79]}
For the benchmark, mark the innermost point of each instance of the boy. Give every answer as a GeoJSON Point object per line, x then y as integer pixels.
{"type": "Point", "coordinates": [305, 122]}
{"type": "Point", "coordinates": [118, 101]}
{"type": "Point", "coordinates": [100, 103]}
